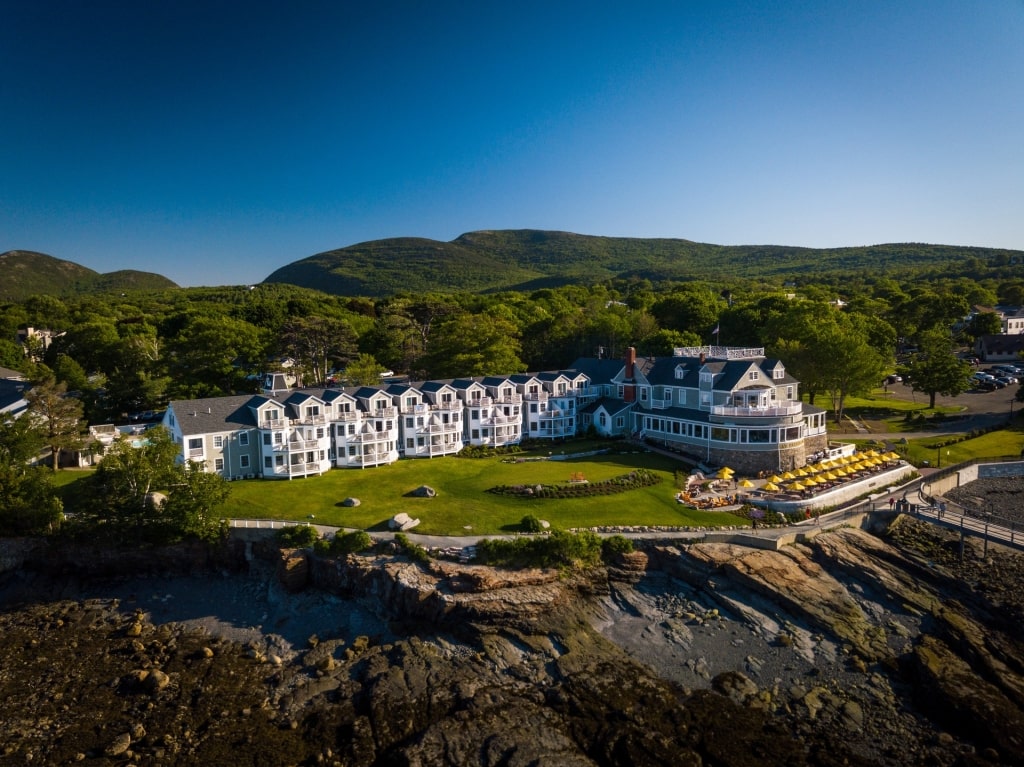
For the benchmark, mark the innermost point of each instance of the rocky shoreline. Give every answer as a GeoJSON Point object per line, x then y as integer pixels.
{"type": "Point", "coordinates": [851, 649]}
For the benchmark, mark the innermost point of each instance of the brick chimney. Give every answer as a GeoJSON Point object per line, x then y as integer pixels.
{"type": "Point", "coordinates": [630, 362]}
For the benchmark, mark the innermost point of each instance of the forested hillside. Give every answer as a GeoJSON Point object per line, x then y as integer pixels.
{"type": "Point", "coordinates": [529, 259]}
{"type": "Point", "coordinates": [26, 273]}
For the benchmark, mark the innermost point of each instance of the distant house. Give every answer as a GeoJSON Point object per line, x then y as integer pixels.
{"type": "Point", "coordinates": [1002, 348]}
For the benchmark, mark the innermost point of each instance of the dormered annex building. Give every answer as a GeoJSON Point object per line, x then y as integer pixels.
{"type": "Point", "coordinates": [714, 405]}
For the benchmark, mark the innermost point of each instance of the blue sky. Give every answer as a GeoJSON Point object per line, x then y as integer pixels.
{"type": "Point", "coordinates": [214, 142]}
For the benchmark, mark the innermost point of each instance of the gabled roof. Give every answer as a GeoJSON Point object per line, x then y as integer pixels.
{"type": "Point", "coordinates": [610, 405]}
{"type": "Point", "coordinates": [398, 389]}
{"type": "Point", "coordinates": [216, 414]}
{"type": "Point", "coordinates": [495, 381]}
{"type": "Point", "coordinates": [599, 371]}
{"type": "Point", "coordinates": [464, 384]}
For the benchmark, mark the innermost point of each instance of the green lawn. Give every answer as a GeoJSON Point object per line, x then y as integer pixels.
{"type": "Point", "coordinates": [463, 504]}
{"type": "Point", "coordinates": [882, 413]}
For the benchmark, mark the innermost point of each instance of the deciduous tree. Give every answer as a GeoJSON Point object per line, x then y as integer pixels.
{"type": "Point", "coordinates": [935, 368]}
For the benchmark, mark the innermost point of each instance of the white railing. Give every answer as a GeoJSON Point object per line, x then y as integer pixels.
{"type": "Point", "coordinates": [274, 423]}
{"type": "Point", "coordinates": [757, 412]}
{"type": "Point", "coordinates": [719, 352]}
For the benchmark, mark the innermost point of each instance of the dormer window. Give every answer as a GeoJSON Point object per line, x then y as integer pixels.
{"type": "Point", "coordinates": [753, 375]}
{"type": "Point", "coordinates": [707, 377]}
{"type": "Point", "coordinates": [779, 373]}
{"type": "Point", "coordinates": [680, 372]}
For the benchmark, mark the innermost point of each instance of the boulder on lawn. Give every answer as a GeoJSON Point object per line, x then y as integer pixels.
{"type": "Point", "coordinates": [402, 522]}
{"type": "Point", "coordinates": [424, 491]}
{"type": "Point", "coordinates": [350, 502]}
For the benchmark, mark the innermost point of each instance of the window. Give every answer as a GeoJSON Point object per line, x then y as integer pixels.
{"type": "Point", "coordinates": [409, 422]}
{"type": "Point", "coordinates": [410, 443]}
{"type": "Point", "coordinates": [753, 375]}
{"type": "Point", "coordinates": [278, 438]}
{"type": "Point", "coordinates": [243, 438]}
{"type": "Point", "coordinates": [218, 441]}
{"type": "Point", "coordinates": [195, 443]}
{"type": "Point", "coordinates": [320, 432]}
{"type": "Point", "coordinates": [719, 434]}
{"type": "Point", "coordinates": [602, 419]}
{"type": "Point", "coordinates": [266, 438]}
{"type": "Point", "coordinates": [243, 461]}
{"type": "Point", "coordinates": [475, 415]}
{"type": "Point", "coordinates": [475, 434]}
{"type": "Point", "coordinates": [218, 464]}
{"type": "Point", "coordinates": [351, 450]}
{"type": "Point", "coordinates": [279, 459]}
{"type": "Point", "coordinates": [620, 422]}
{"type": "Point", "coordinates": [778, 373]}
{"type": "Point", "coordinates": [789, 392]}
{"type": "Point", "coordinates": [410, 402]}
{"type": "Point", "coordinates": [268, 462]}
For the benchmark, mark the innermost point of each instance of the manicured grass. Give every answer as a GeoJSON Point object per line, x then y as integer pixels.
{"type": "Point", "coordinates": [463, 505]}
{"type": "Point", "coordinates": [882, 412]}
{"type": "Point", "coordinates": [995, 444]}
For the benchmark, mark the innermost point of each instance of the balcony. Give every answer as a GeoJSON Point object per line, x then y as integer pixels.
{"type": "Point", "coordinates": [371, 438]}
{"type": "Point", "coordinates": [299, 469]}
{"type": "Point", "coordinates": [758, 412]}
{"type": "Point", "coordinates": [351, 415]}
{"type": "Point", "coordinates": [274, 423]}
{"type": "Point", "coordinates": [311, 419]}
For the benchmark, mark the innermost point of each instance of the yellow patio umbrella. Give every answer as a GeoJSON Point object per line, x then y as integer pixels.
{"type": "Point", "coordinates": [746, 483]}
{"type": "Point", "coordinates": [872, 453]}
{"type": "Point", "coordinates": [774, 479]}
{"type": "Point", "coordinates": [801, 472]}
{"type": "Point", "coordinates": [809, 481]}
{"type": "Point", "coordinates": [841, 472]}
{"type": "Point", "coordinates": [797, 486]}
{"type": "Point", "coordinates": [859, 466]}
{"type": "Point", "coordinates": [789, 475]}
{"type": "Point", "coordinates": [725, 473]}
{"type": "Point", "coordinates": [770, 487]}
{"type": "Point", "coordinates": [892, 456]}
{"type": "Point", "coordinates": [829, 475]}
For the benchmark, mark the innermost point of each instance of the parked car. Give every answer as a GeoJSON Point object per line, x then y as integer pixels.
{"type": "Point", "coordinates": [1007, 380]}
{"type": "Point", "coordinates": [894, 379]}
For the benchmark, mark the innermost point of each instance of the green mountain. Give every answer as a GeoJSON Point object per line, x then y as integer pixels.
{"type": "Point", "coordinates": [25, 273]}
{"type": "Point", "coordinates": [527, 259]}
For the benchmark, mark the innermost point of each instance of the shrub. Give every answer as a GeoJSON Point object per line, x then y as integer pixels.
{"type": "Point", "coordinates": [530, 524]}
{"type": "Point", "coordinates": [412, 550]}
{"type": "Point", "coordinates": [560, 549]}
{"type": "Point", "coordinates": [351, 543]}
{"type": "Point", "coordinates": [613, 546]}
{"type": "Point", "coordinates": [297, 536]}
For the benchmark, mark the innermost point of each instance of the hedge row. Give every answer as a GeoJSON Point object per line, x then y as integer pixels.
{"type": "Point", "coordinates": [635, 479]}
